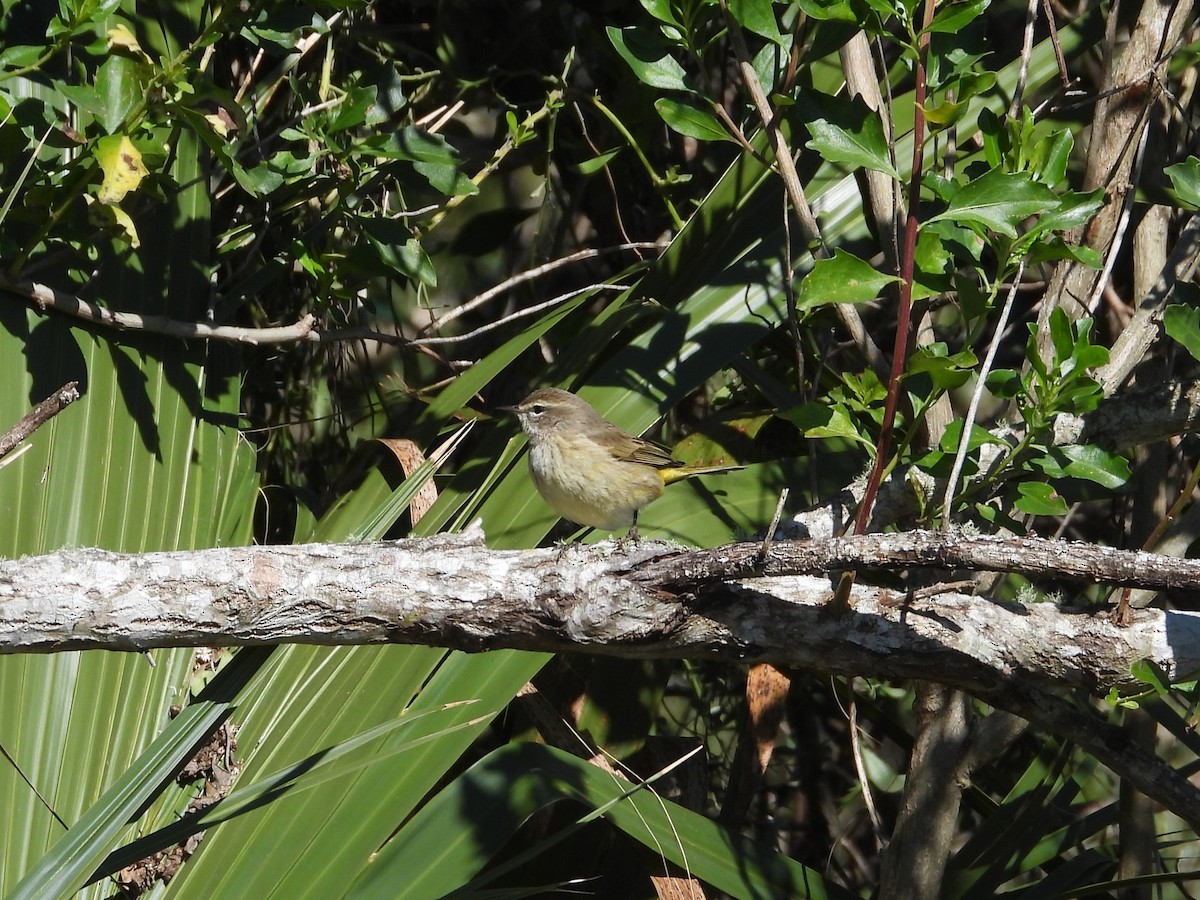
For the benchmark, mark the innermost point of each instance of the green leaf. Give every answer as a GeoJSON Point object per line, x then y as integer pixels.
{"type": "Point", "coordinates": [648, 54]}
{"type": "Point", "coordinates": [818, 420]}
{"type": "Point", "coordinates": [1149, 674]}
{"type": "Point", "coordinates": [1039, 499]}
{"type": "Point", "coordinates": [1062, 334]}
{"type": "Point", "coordinates": [952, 17]}
{"type": "Point", "coordinates": [1095, 464]}
{"type": "Point", "coordinates": [1071, 209]}
{"type": "Point", "coordinates": [691, 119]}
{"type": "Point", "coordinates": [998, 201]}
{"type": "Point", "coordinates": [1051, 156]}
{"type": "Point", "coordinates": [846, 131]}
{"type": "Point", "coordinates": [66, 868]}
{"type": "Point", "coordinates": [1185, 178]}
{"type": "Point", "coordinates": [1004, 383]}
{"type": "Point", "coordinates": [595, 164]}
{"type": "Point", "coordinates": [945, 370]}
{"type": "Point", "coordinates": [258, 181]}
{"type": "Point", "coordinates": [1056, 248]}
{"type": "Point", "coordinates": [661, 10]}
{"type": "Point", "coordinates": [830, 10]}
{"type": "Point", "coordinates": [842, 279]}
{"type": "Point", "coordinates": [980, 436]}
{"type": "Point", "coordinates": [19, 56]}
{"type": "Point", "coordinates": [431, 155]}
{"type": "Point", "coordinates": [1183, 325]}
{"type": "Point", "coordinates": [757, 16]}
{"type": "Point", "coordinates": [151, 457]}
{"type": "Point", "coordinates": [118, 90]}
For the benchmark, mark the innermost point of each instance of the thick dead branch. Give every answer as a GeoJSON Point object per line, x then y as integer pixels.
{"type": "Point", "coordinates": [1134, 418]}
{"type": "Point", "coordinates": [1031, 556]}
{"type": "Point", "coordinates": [645, 600]}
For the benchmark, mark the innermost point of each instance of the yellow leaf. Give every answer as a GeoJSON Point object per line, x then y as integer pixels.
{"type": "Point", "coordinates": [122, 165]}
{"type": "Point", "coordinates": [107, 216]}
{"type": "Point", "coordinates": [218, 125]}
{"type": "Point", "coordinates": [121, 37]}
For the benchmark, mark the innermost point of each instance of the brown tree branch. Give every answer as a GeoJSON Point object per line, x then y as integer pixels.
{"type": "Point", "coordinates": [633, 601]}
{"type": "Point", "coordinates": [39, 416]}
{"type": "Point", "coordinates": [686, 570]}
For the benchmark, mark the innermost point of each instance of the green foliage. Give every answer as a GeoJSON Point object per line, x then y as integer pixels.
{"type": "Point", "coordinates": [1185, 178]}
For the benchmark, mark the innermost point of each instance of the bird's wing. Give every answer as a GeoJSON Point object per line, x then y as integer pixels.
{"type": "Point", "coordinates": [648, 453]}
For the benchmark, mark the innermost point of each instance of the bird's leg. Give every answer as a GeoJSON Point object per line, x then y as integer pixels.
{"type": "Point", "coordinates": [633, 535]}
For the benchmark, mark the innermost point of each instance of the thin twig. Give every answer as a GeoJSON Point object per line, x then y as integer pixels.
{"type": "Point", "coordinates": [964, 441]}
{"type": "Point", "coordinates": [528, 275]}
{"type": "Point", "coordinates": [864, 781]}
{"type": "Point", "coordinates": [304, 330]}
{"type": "Point", "coordinates": [766, 544]}
{"type": "Point", "coordinates": [1123, 221]}
{"type": "Point", "coordinates": [1058, 52]}
{"type": "Point", "coordinates": [810, 232]}
{"type": "Point", "coordinates": [519, 314]}
{"type": "Point", "coordinates": [39, 416]}
{"type": "Point", "coordinates": [1014, 108]}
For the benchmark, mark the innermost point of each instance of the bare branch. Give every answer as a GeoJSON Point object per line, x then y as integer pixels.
{"type": "Point", "coordinates": [688, 570]}
{"type": "Point", "coordinates": [47, 297]}
{"type": "Point", "coordinates": [529, 275]}
{"type": "Point", "coordinates": [455, 592]}
{"type": "Point", "coordinates": [645, 600]}
{"type": "Point", "coordinates": [39, 416]}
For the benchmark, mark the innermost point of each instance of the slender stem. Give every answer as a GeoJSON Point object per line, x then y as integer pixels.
{"type": "Point", "coordinates": [964, 440]}
{"type": "Point", "coordinates": [904, 313]}
{"type": "Point", "coordinates": [657, 180]}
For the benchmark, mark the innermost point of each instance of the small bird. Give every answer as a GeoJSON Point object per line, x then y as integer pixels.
{"type": "Point", "coordinates": [590, 471]}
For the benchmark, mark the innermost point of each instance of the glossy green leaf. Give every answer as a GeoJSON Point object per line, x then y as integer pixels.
{"type": "Point", "coordinates": [691, 119]}
{"type": "Point", "coordinates": [998, 201]}
{"type": "Point", "coordinates": [953, 16]}
{"type": "Point", "coordinates": [661, 10]}
{"type": "Point", "coordinates": [1149, 674]}
{"type": "Point", "coordinates": [20, 55]}
{"type": "Point", "coordinates": [818, 420]}
{"type": "Point", "coordinates": [1051, 156]}
{"type": "Point", "coordinates": [946, 370]}
{"type": "Point", "coordinates": [1071, 209]}
{"type": "Point", "coordinates": [648, 55]}
{"type": "Point", "coordinates": [757, 16]}
{"type": "Point", "coordinates": [1037, 498]}
{"type": "Point", "coordinates": [831, 10]}
{"type": "Point", "coordinates": [843, 278]}
{"type": "Point", "coordinates": [596, 163]}
{"type": "Point", "coordinates": [1185, 178]}
{"type": "Point", "coordinates": [1096, 464]}
{"type": "Point", "coordinates": [1182, 323]}
{"type": "Point", "coordinates": [846, 132]}
{"type": "Point", "coordinates": [118, 90]}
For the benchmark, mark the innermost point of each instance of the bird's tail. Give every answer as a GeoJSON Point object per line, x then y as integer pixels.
{"type": "Point", "coordinates": [672, 474]}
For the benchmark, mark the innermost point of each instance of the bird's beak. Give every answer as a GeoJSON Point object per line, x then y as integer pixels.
{"type": "Point", "coordinates": [508, 409]}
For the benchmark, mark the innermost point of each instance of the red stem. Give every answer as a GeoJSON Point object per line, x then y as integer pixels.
{"type": "Point", "coordinates": [904, 314]}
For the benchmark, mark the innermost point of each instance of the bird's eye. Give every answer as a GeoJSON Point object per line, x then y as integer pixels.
{"type": "Point", "coordinates": [537, 409]}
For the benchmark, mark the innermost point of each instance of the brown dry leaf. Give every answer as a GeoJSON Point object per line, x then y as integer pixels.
{"type": "Point", "coordinates": [409, 456]}
{"type": "Point", "coordinates": [766, 695]}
